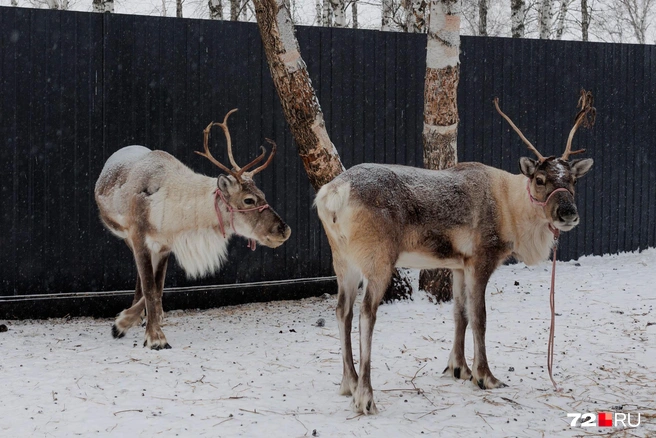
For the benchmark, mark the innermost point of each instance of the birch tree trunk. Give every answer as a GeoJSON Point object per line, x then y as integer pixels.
{"type": "Point", "coordinates": [318, 12]}
{"type": "Point", "coordinates": [560, 28]}
{"type": "Point", "coordinates": [14, 3]}
{"type": "Point", "coordinates": [301, 106]}
{"type": "Point", "coordinates": [517, 18]}
{"type": "Point", "coordinates": [354, 12]}
{"type": "Point", "coordinates": [178, 8]}
{"type": "Point", "coordinates": [387, 15]}
{"type": "Point", "coordinates": [415, 16]}
{"type": "Point", "coordinates": [327, 13]}
{"type": "Point", "coordinates": [235, 8]}
{"type": "Point", "coordinates": [103, 6]}
{"type": "Point", "coordinates": [483, 6]}
{"type": "Point", "coordinates": [216, 9]}
{"type": "Point", "coordinates": [441, 112]}
{"type": "Point", "coordinates": [545, 19]}
{"type": "Point", "coordinates": [585, 20]}
{"type": "Point", "coordinates": [339, 13]}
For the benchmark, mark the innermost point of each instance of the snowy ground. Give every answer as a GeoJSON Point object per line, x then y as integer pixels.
{"type": "Point", "coordinates": [264, 370]}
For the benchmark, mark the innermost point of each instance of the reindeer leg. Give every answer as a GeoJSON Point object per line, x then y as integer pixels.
{"type": "Point", "coordinates": [135, 314]}
{"type": "Point", "coordinates": [347, 281]}
{"type": "Point", "coordinates": [476, 279]}
{"type": "Point", "coordinates": [160, 263]}
{"type": "Point", "coordinates": [363, 399]}
{"type": "Point", "coordinates": [457, 366]}
{"type": "Point", "coordinates": [155, 338]}
{"type": "Point", "coordinates": [129, 318]}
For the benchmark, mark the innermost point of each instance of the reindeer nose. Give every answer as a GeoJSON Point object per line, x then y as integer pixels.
{"type": "Point", "coordinates": [284, 230]}
{"type": "Point", "coordinates": [567, 213]}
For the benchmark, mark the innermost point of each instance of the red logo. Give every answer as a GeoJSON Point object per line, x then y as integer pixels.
{"type": "Point", "coordinates": [605, 419]}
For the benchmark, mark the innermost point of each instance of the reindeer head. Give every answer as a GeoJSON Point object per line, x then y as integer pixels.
{"type": "Point", "coordinates": [551, 181]}
{"type": "Point", "coordinates": [251, 215]}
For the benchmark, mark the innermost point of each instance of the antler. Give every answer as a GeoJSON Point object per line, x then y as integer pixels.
{"type": "Point", "coordinates": [207, 154]}
{"type": "Point", "coordinates": [268, 161]}
{"type": "Point", "coordinates": [528, 143]}
{"type": "Point", "coordinates": [586, 117]}
{"type": "Point", "coordinates": [236, 171]}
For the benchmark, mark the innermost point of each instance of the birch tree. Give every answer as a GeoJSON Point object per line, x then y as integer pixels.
{"type": "Point", "coordinates": [415, 15]}
{"type": "Point", "coordinates": [103, 6]}
{"type": "Point", "coordinates": [387, 15]}
{"type": "Point", "coordinates": [301, 106]}
{"type": "Point", "coordinates": [216, 9]}
{"type": "Point", "coordinates": [545, 19]}
{"type": "Point", "coordinates": [339, 13]}
{"type": "Point", "coordinates": [517, 18]}
{"type": "Point", "coordinates": [440, 132]}
{"type": "Point", "coordinates": [354, 13]}
{"type": "Point", "coordinates": [562, 14]}
{"type": "Point", "coordinates": [483, 7]}
{"type": "Point", "coordinates": [327, 13]}
{"type": "Point", "coordinates": [178, 8]}
{"type": "Point", "coordinates": [585, 20]}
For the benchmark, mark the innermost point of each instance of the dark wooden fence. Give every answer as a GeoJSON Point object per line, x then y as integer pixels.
{"type": "Point", "coordinates": [75, 87]}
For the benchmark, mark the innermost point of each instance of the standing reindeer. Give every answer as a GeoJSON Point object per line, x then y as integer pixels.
{"type": "Point", "coordinates": [469, 218]}
{"type": "Point", "coordinates": [159, 206]}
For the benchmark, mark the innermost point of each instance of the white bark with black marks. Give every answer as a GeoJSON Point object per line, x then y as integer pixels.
{"type": "Point", "coordinates": [339, 13]}
{"type": "Point", "coordinates": [545, 19]}
{"type": "Point", "coordinates": [387, 15]}
{"type": "Point", "coordinates": [216, 9]}
{"type": "Point", "coordinates": [101, 6]}
{"type": "Point", "coordinates": [415, 16]}
{"type": "Point", "coordinates": [585, 20]}
{"type": "Point", "coordinates": [518, 18]}
{"type": "Point", "coordinates": [483, 7]}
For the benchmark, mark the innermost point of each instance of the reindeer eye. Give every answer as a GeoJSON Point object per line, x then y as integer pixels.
{"type": "Point", "coordinates": [539, 181]}
{"type": "Point", "coordinates": [249, 201]}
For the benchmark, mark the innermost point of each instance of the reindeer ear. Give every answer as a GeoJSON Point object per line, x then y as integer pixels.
{"type": "Point", "coordinates": [227, 184]}
{"type": "Point", "coordinates": [528, 166]}
{"type": "Point", "coordinates": [581, 167]}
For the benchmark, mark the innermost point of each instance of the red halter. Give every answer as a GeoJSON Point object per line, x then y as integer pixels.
{"type": "Point", "coordinates": [219, 194]}
{"type": "Point", "coordinates": [540, 203]}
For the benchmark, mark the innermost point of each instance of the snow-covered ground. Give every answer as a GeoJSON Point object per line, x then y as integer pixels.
{"type": "Point", "coordinates": [268, 370]}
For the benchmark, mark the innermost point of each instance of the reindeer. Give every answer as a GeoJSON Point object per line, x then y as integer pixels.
{"type": "Point", "coordinates": [469, 219]}
{"type": "Point", "coordinates": [159, 206]}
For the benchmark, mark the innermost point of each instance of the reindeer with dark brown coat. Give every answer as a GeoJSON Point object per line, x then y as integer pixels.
{"type": "Point", "coordinates": [469, 218]}
{"type": "Point", "coordinates": [159, 206]}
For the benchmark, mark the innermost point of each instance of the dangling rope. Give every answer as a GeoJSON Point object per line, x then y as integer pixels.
{"type": "Point", "coordinates": [552, 304]}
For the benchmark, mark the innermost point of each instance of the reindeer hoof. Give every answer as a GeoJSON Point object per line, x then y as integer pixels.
{"type": "Point", "coordinates": [458, 372]}
{"type": "Point", "coordinates": [488, 382]}
{"type": "Point", "coordinates": [363, 403]}
{"type": "Point", "coordinates": [116, 333]}
{"type": "Point", "coordinates": [157, 346]}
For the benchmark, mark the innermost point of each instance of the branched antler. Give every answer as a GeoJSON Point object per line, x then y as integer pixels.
{"type": "Point", "coordinates": [528, 143]}
{"type": "Point", "coordinates": [585, 117]}
{"type": "Point", "coordinates": [236, 171]}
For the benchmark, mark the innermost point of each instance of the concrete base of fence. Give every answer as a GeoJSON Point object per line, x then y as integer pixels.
{"type": "Point", "coordinates": [108, 304]}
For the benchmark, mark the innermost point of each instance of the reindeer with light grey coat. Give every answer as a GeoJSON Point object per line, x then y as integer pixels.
{"type": "Point", "coordinates": [469, 219]}
{"type": "Point", "coordinates": [159, 206]}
